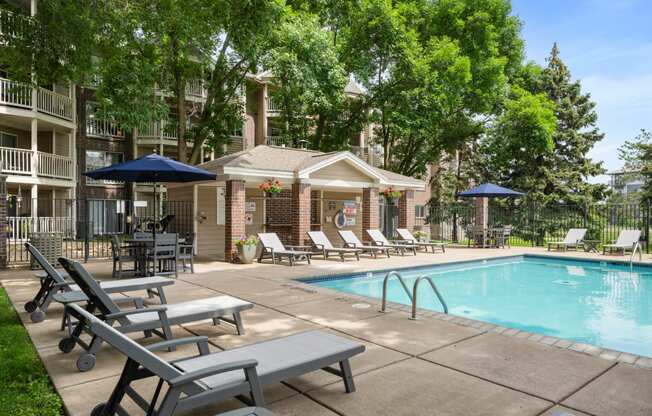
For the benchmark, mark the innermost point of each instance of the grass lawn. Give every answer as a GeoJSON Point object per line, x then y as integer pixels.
{"type": "Point", "coordinates": [25, 388]}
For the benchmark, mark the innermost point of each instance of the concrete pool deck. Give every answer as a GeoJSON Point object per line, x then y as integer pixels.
{"type": "Point", "coordinates": [438, 364]}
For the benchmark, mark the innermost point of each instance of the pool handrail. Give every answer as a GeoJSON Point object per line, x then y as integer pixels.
{"type": "Point", "coordinates": [385, 281]}
{"type": "Point", "coordinates": [434, 288]}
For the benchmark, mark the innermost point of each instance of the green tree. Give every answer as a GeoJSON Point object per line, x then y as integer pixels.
{"type": "Point", "coordinates": [637, 157]}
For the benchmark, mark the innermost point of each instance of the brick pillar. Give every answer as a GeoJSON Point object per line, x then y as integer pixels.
{"type": "Point", "coordinates": [234, 218]}
{"type": "Point", "coordinates": [406, 210]}
{"type": "Point", "coordinates": [370, 208]}
{"type": "Point", "coordinates": [3, 222]}
{"type": "Point", "coordinates": [481, 212]}
{"type": "Point", "coordinates": [300, 212]}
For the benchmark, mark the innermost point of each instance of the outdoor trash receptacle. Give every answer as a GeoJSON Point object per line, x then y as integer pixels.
{"type": "Point", "coordinates": [49, 244]}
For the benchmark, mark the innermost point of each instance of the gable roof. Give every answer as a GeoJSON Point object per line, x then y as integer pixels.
{"type": "Point", "coordinates": [285, 162]}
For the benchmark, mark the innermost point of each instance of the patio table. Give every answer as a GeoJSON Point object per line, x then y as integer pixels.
{"type": "Point", "coordinates": [141, 247]}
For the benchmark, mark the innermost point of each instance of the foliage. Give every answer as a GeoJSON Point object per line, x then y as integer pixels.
{"type": "Point", "coordinates": [252, 240]}
{"type": "Point", "coordinates": [271, 186]}
{"type": "Point", "coordinates": [637, 157]}
{"type": "Point", "coordinates": [26, 388]}
{"type": "Point", "coordinates": [391, 193]}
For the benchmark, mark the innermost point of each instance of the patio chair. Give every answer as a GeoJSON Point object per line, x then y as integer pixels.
{"type": "Point", "coordinates": [501, 236]}
{"type": "Point", "coordinates": [142, 319]}
{"type": "Point", "coordinates": [351, 240]}
{"type": "Point", "coordinates": [573, 239]}
{"type": "Point", "coordinates": [627, 240]}
{"type": "Point", "coordinates": [162, 259]}
{"type": "Point", "coordinates": [379, 239]}
{"type": "Point", "coordinates": [323, 244]}
{"type": "Point", "coordinates": [407, 237]}
{"type": "Point", "coordinates": [187, 253]}
{"type": "Point", "coordinates": [209, 378]}
{"type": "Point", "coordinates": [122, 254]}
{"type": "Point", "coordinates": [274, 248]}
{"type": "Point", "coordinates": [53, 282]}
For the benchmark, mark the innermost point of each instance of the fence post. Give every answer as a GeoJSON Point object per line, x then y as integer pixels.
{"type": "Point", "coordinates": [85, 228]}
{"type": "Point", "coordinates": [3, 222]}
{"type": "Point", "coordinates": [646, 231]}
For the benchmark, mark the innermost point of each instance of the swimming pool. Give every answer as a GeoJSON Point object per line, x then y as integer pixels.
{"type": "Point", "coordinates": [599, 303]}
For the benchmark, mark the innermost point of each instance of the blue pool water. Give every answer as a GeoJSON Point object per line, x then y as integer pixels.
{"type": "Point", "coordinates": [598, 303]}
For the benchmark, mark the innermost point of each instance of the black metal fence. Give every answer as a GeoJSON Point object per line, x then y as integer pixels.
{"type": "Point", "coordinates": [535, 225]}
{"type": "Point", "coordinates": [87, 225]}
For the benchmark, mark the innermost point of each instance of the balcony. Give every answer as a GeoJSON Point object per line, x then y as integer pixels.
{"type": "Point", "coordinates": [195, 90]}
{"type": "Point", "coordinates": [273, 107]}
{"type": "Point", "coordinates": [27, 162]}
{"type": "Point", "coordinates": [157, 131]}
{"type": "Point", "coordinates": [101, 128]}
{"type": "Point", "coordinates": [12, 25]}
{"type": "Point", "coordinates": [368, 155]}
{"type": "Point", "coordinates": [18, 94]}
{"type": "Point", "coordinates": [284, 142]}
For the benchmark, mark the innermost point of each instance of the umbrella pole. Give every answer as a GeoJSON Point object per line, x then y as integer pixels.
{"type": "Point", "coordinates": [154, 228]}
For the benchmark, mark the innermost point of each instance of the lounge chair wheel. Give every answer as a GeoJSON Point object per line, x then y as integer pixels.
{"type": "Point", "coordinates": [66, 345]}
{"type": "Point", "coordinates": [99, 410]}
{"type": "Point", "coordinates": [37, 316]}
{"type": "Point", "coordinates": [30, 306]}
{"type": "Point", "coordinates": [85, 362]}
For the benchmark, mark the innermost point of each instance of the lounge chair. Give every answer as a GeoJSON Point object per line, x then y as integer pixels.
{"type": "Point", "coordinates": [209, 378]}
{"type": "Point", "coordinates": [351, 240]}
{"type": "Point", "coordinates": [323, 244]}
{"type": "Point", "coordinates": [54, 283]}
{"type": "Point", "coordinates": [379, 239]}
{"type": "Point", "coordinates": [627, 240]}
{"type": "Point", "coordinates": [573, 239]}
{"type": "Point", "coordinates": [274, 248]}
{"type": "Point", "coordinates": [142, 319]}
{"type": "Point", "coordinates": [407, 237]}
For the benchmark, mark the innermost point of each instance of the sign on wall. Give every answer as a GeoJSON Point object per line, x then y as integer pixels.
{"type": "Point", "coordinates": [350, 208]}
{"type": "Point", "coordinates": [250, 206]}
{"type": "Point", "coordinates": [249, 218]}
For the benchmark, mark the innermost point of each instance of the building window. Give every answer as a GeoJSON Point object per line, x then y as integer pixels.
{"type": "Point", "coordinates": [8, 140]}
{"type": "Point", "coordinates": [420, 211]}
{"type": "Point", "coordinates": [97, 159]}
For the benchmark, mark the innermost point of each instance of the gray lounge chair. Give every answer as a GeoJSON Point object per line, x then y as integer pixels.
{"type": "Point", "coordinates": [323, 244]}
{"type": "Point", "coordinates": [273, 248]}
{"type": "Point", "coordinates": [54, 283]}
{"type": "Point", "coordinates": [212, 377]}
{"type": "Point", "coordinates": [379, 239]}
{"type": "Point", "coordinates": [406, 236]}
{"type": "Point", "coordinates": [143, 319]}
{"type": "Point", "coordinates": [627, 240]}
{"type": "Point", "coordinates": [573, 239]}
{"type": "Point", "coordinates": [351, 240]}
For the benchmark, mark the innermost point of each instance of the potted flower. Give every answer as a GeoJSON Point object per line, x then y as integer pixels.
{"type": "Point", "coordinates": [391, 194]}
{"type": "Point", "coordinates": [271, 187]}
{"type": "Point", "coordinates": [247, 248]}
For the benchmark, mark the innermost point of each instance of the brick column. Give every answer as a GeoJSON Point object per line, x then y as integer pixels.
{"type": "Point", "coordinates": [370, 208]}
{"type": "Point", "coordinates": [234, 218]}
{"type": "Point", "coordinates": [3, 222]}
{"type": "Point", "coordinates": [300, 212]}
{"type": "Point", "coordinates": [406, 210]}
{"type": "Point", "coordinates": [481, 212]}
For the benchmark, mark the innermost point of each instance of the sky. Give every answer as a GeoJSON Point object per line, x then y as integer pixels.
{"type": "Point", "coordinates": [607, 45]}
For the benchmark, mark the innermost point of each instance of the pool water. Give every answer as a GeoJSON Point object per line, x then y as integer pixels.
{"type": "Point", "coordinates": [600, 303]}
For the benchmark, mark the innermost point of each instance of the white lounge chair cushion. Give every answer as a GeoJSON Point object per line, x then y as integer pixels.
{"type": "Point", "coordinates": [195, 310]}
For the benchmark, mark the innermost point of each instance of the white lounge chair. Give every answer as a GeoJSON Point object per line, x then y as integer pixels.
{"type": "Point", "coordinates": [209, 378]}
{"type": "Point", "coordinates": [573, 239]}
{"type": "Point", "coordinates": [627, 240]}
{"type": "Point", "coordinates": [406, 236]}
{"type": "Point", "coordinates": [379, 239]}
{"type": "Point", "coordinates": [273, 248]}
{"type": "Point", "coordinates": [351, 240]}
{"type": "Point", "coordinates": [323, 244]}
{"type": "Point", "coordinates": [142, 319]}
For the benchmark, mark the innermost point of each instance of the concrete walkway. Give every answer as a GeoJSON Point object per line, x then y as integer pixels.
{"type": "Point", "coordinates": [433, 366]}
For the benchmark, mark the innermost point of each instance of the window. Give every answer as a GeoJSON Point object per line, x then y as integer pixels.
{"type": "Point", "coordinates": [419, 211]}
{"type": "Point", "coordinates": [8, 140]}
{"type": "Point", "coordinates": [97, 159]}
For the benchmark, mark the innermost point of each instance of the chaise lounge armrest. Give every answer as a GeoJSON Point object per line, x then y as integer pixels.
{"type": "Point", "coordinates": [202, 344]}
{"type": "Point", "coordinates": [247, 365]}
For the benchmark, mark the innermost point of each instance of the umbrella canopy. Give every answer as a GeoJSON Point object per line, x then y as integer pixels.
{"type": "Point", "coordinates": [151, 168]}
{"type": "Point", "coordinates": [489, 190]}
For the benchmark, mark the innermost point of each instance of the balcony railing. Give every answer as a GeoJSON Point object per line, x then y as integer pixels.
{"type": "Point", "coordinates": [194, 89]}
{"type": "Point", "coordinates": [21, 162]}
{"type": "Point", "coordinates": [272, 105]}
{"type": "Point", "coordinates": [20, 228]}
{"type": "Point", "coordinates": [12, 25]}
{"type": "Point", "coordinates": [102, 128]}
{"type": "Point", "coordinates": [163, 129]}
{"type": "Point", "coordinates": [18, 94]}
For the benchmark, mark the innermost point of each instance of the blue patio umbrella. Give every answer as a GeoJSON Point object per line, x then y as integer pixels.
{"type": "Point", "coordinates": [490, 190]}
{"type": "Point", "coordinates": [152, 168]}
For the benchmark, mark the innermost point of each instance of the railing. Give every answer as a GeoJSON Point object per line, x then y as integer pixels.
{"type": "Point", "coordinates": [195, 88]}
{"type": "Point", "coordinates": [20, 228]}
{"type": "Point", "coordinates": [12, 25]}
{"type": "Point", "coordinates": [284, 142]}
{"type": "Point", "coordinates": [415, 297]}
{"type": "Point", "coordinates": [15, 93]}
{"type": "Point", "coordinates": [396, 274]}
{"type": "Point", "coordinates": [16, 161]}
{"type": "Point", "coordinates": [91, 181]}
{"type": "Point", "coordinates": [54, 166]}
{"type": "Point", "coordinates": [160, 130]}
{"type": "Point", "coordinates": [272, 105]}
{"type": "Point", "coordinates": [55, 104]}
{"type": "Point", "coordinates": [102, 128]}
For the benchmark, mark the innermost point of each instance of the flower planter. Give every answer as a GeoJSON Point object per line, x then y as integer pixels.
{"type": "Point", "coordinates": [247, 253]}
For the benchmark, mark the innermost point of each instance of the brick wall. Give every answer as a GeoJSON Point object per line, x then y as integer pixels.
{"type": "Point", "coordinates": [301, 210]}
{"type": "Point", "coordinates": [406, 210]}
{"type": "Point", "coordinates": [370, 208]}
{"type": "Point", "coordinates": [234, 217]}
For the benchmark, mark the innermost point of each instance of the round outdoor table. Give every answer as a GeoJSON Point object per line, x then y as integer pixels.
{"type": "Point", "coordinates": [591, 246]}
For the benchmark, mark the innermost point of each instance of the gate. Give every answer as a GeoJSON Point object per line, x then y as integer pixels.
{"type": "Point", "coordinates": [388, 217]}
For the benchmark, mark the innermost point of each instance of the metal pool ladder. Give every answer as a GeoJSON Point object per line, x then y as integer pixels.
{"type": "Point", "coordinates": [412, 296]}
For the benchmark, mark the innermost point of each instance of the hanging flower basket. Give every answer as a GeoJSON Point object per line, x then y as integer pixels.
{"type": "Point", "coordinates": [391, 194]}
{"type": "Point", "coordinates": [271, 187]}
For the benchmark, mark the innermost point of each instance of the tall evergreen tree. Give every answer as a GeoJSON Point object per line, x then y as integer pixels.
{"type": "Point", "coordinates": [567, 169]}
